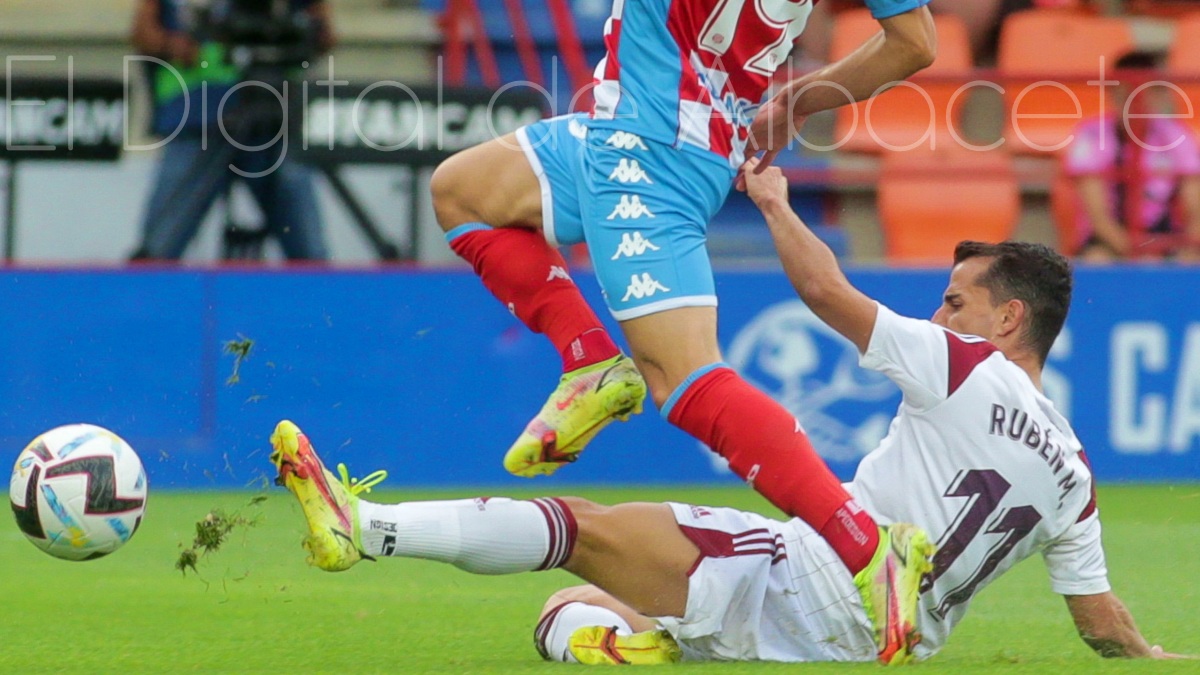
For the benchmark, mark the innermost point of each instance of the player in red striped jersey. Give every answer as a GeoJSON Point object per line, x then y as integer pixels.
{"type": "Point", "coordinates": [679, 99]}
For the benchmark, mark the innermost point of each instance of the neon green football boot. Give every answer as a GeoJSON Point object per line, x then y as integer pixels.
{"type": "Point", "coordinates": [890, 586]}
{"type": "Point", "coordinates": [330, 504]}
{"type": "Point", "coordinates": [601, 645]}
{"type": "Point", "coordinates": [585, 401]}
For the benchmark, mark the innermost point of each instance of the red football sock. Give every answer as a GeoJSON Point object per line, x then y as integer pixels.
{"type": "Point", "coordinates": [767, 448]}
{"type": "Point", "coordinates": [530, 278]}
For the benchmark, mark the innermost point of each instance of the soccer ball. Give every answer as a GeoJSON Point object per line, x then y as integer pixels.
{"type": "Point", "coordinates": [78, 492]}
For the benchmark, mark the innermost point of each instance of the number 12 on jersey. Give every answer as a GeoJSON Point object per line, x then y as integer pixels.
{"type": "Point", "coordinates": [786, 16]}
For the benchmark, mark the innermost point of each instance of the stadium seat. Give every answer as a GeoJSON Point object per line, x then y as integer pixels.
{"type": "Point", "coordinates": [901, 117]}
{"type": "Point", "coordinates": [1183, 65]}
{"type": "Point", "coordinates": [1064, 208]}
{"type": "Point", "coordinates": [929, 200]}
{"type": "Point", "coordinates": [1165, 9]}
{"type": "Point", "coordinates": [1062, 46]}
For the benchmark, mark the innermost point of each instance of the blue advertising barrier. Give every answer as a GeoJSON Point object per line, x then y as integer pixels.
{"type": "Point", "coordinates": [425, 374]}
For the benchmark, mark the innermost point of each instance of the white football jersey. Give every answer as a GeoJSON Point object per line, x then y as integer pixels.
{"type": "Point", "coordinates": [981, 460]}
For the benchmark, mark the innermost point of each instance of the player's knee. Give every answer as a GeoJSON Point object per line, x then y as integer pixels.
{"type": "Point", "coordinates": [594, 531]}
{"type": "Point", "coordinates": [450, 203]}
{"type": "Point", "coordinates": [585, 593]}
{"type": "Point", "coordinates": [588, 516]}
{"type": "Point", "coordinates": [582, 509]}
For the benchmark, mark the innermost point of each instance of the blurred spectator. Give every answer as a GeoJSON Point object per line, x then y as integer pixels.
{"type": "Point", "coordinates": [200, 42]}
{"type": "Point", "coordinates": [1137, 179]}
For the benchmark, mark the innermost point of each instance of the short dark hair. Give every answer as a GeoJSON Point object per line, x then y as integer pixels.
{"type": "Point", "coordinates": [1032, 273]}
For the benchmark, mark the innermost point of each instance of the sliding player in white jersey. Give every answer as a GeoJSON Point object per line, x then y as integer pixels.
{"type": "Point", "coordinates": [976, 455]}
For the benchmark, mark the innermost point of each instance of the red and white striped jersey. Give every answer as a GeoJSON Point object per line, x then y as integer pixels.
{"type": "Point", "coordinates": [693, 72]}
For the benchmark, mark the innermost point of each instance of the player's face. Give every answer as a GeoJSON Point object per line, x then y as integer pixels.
{"type": "Point", "coordinates": [966, 306]}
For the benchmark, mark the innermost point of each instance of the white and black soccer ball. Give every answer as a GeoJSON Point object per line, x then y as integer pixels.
{"type": "Point", "coordinates": [78, 492]}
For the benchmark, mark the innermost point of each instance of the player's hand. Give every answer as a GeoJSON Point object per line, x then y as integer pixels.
{"type": "Point", "coordinates": [1156, 652]}
{"type": "Point", "coordinates": [773, 129]}
{"type": "Point", "coordinates": [764, 185]}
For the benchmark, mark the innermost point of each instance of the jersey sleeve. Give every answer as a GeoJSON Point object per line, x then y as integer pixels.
{"type": "Point", "coordinates": [885, 9]}
{"type": "Point", "coordinates": [926, 361]}
{"type": "Point", "coordinates": [1075, 560]}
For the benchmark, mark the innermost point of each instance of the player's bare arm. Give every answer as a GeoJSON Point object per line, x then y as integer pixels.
{"type": "Point", "coordinates": [808, 262]}
{"type": "Point", "coordinates": [907, 43]}
{"type": "Point", "coordinates": [1107, 627]}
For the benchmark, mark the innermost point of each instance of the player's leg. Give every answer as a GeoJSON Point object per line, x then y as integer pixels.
{"type": "Point", "coordinates": [762, 441]}
{"type": "Point", "coordinates": [663, 293]}
{"type": "Point", "coordinates": [593, 596]}
{"type": "Point", "coordinates": [584, 624]}
{"type": "Point", "coordinates": [504, 204]}
{"type": "Point", "coordinates": [636, 552]}
{"type": "Point", "coordinates": [489, 201]}
{"type": "Point", "coordinates": [645, 217]}
{"type": "Point", "coordinates": [490, 183]}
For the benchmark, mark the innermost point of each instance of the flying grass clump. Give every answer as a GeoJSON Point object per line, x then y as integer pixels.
{"type": "Point", "coordinates": [240, 349]}
{"type": "Point", "coordinates": [212, 531]}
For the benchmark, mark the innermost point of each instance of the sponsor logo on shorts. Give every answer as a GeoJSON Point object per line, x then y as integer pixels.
{"type": "Point", "coordinates": [700, 512]}
{"type": "Point", "coordinates": [642, 287]}
{"type": "Point", "coordinates": [633, 245]}
{"type": "Point", "coordinates": [629, 171]}
{"type": "Point", "coordinates": [623, 140]}
{"type": "Point", "coordinates": [630, 208]}
{"type": "Point", "coordinates": [558, 272]}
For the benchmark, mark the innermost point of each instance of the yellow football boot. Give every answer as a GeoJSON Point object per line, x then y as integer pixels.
{"type": "Point", "coordinates": [890, 586]}
{"type": "Point", "coordinates": [585, 401]}
{"type": "Point", "coordinates": [330, 504]}
{"type": "Point", "coordinates": [601, 645]}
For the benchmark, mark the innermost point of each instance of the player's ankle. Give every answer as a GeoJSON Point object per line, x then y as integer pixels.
{"type": "Point", "coordinates": [853, 536]}
{"type": "Point", "coordinates": [588, 348]}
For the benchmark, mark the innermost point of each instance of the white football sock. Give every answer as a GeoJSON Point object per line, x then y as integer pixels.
{"type": "Point", "coordinates": [553, 632]}
{"type": "Point", "coordinates": [484, 536]}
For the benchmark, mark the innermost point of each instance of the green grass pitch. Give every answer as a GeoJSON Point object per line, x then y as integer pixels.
{"type": "Point", "coordinates": [256, 608]}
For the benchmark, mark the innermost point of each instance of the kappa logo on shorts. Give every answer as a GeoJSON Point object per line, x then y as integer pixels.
{"type": "Point", "coordinates": [630, 208]}
{"type": "Point", "coordinates": [633, 245]}
{"type": "Point", "coordinates": [558, 272]}
{"type": "Point", "coordinates": [629, 171]}
{"type": "Point", "coordinates": [643, 287]}
{"type": "Point", "coordinates": [623, 140]}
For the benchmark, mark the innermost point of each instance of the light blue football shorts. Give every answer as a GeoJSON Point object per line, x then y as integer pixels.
{"type": "Point", "coordinates": [642, 208]}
